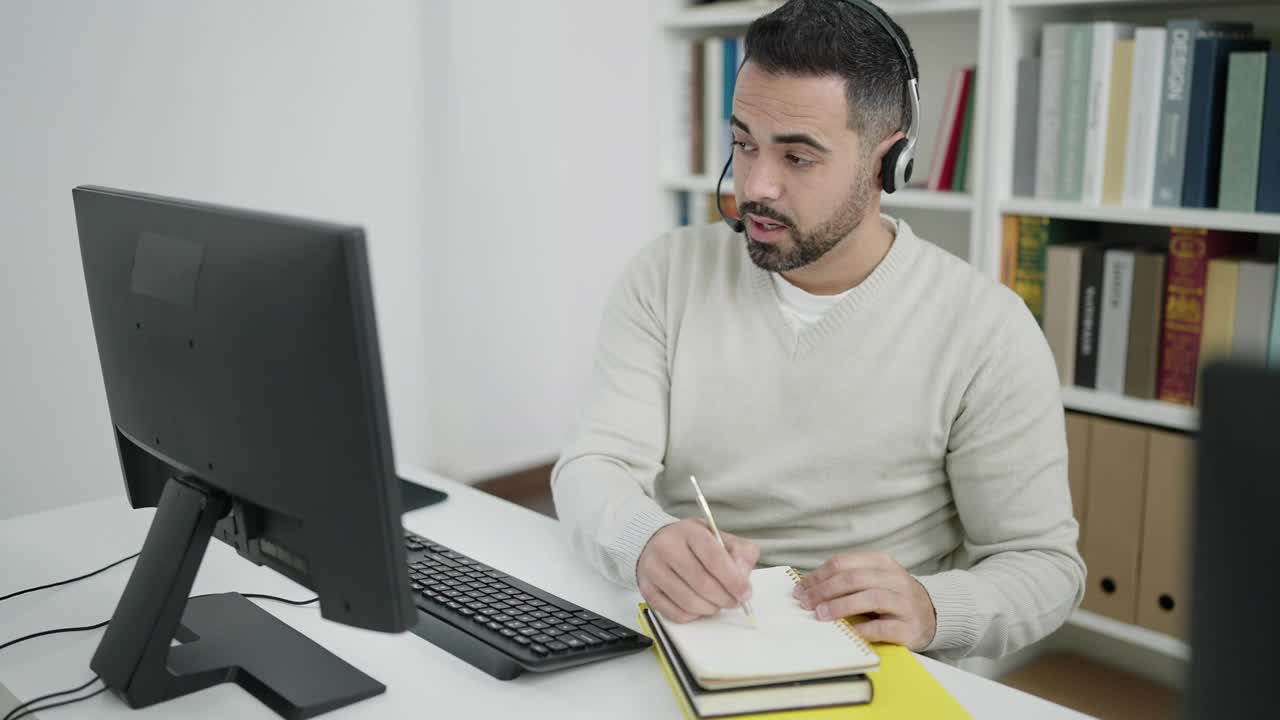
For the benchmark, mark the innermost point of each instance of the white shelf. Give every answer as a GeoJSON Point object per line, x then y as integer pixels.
{"type": "Point", "coordinates": [1132, 634]}
{"type": "Point", "coordinates": [1170, 217]}
{"type": "Point", "coordinates": [909, 198]}
{"type": "Point", "coordinates": [1122, 407]}
{"type": "Point", "coordinates": [738, 15]}
{"type": "Point", "coordinates": [1127, 3]}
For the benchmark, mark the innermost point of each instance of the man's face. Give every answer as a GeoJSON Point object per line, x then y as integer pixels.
{"type": "Point", "coordinates": [802, 177]}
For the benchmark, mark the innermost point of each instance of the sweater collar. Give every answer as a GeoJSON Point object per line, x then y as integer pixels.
{"type": "Point", "coordinates": [902, 253]}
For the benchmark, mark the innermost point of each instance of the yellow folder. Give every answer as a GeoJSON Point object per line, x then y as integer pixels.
{"type": "Point", "coordinates": [902, 688]}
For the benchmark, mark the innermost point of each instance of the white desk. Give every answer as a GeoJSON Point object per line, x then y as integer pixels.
{"type": "Point", "coordinates": [422, 681]}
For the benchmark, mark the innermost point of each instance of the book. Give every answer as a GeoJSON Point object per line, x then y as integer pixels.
{"type": "Point", "coordinates": [941, 175]}
{"type": "Point", "coordinates": [1204, 119]}
{"type": "Point", "coordinates": [1176, 102]}
{"type": "Point", "coordinates": [1253, 311]}
{"type": "Point", "coordinates": [900, 686]}
{"type": "Point", "coordinates": [1190, 250]}
{"type": "Point", "coordinates": [1242, 131]}
{"type": "Point", "coordinates": [1026, 126]}
{"type": "Point", "coordinates": [730, 702]}
{"type": "Point", "coordinates": [1061, 298]}
{"type": "Point", "coordinates": [1117, 130]}
{"type": "Point", "coordinates": [1269, 151]}
{"type": "Point", "coordinates": [1146, 321]}
{"type": "Point", "coordinates": [1146, 326]}
{"type": "Point", "coordinates": [1072, 136]}
{"type": "Point", "coordinates": [1113, 328]}
{"type": "Point", "coordinates": [1221, 285]}
{"type": "Point", "coordinates": [785, 643]}
{"type": "Point", "coordinates": [1053, 55]}
{"type": "Point", "coordinates": [1144, 117]}
{"type": "Point", "coordinates": [1009, 250]}
{"type": "Point", "coordinates": [1089, 314]}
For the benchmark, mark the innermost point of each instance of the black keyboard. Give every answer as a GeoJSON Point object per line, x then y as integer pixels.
{"type": "Point", "coordinates": [501, 624]}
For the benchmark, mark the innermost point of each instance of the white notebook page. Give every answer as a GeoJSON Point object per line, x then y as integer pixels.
{"type": "Point", "coordinates": [786, 642]}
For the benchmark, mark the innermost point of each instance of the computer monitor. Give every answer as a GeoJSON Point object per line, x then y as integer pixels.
{"type": "Point", "coordinates": [1234, 633]}
{"type": "Point", "coordinates": [241, 364]}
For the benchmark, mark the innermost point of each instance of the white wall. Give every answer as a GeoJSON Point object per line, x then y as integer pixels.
{"type": "Point", "coordinates": [307, 107]}
{"type": "Point", "coordinates": [500, 156]}
{"type": "Point", "coordinates": [551, 189]}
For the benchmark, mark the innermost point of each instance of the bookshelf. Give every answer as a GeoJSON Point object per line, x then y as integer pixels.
{"type": "Point", "coordinates": [994, 35]}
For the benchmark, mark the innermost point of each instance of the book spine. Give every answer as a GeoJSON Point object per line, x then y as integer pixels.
{"type": "Point", "coordinates": [1075, 112]}
{"type": "Point", "coordinates": [1269, 149]}
{"type": "Point", "coordinates": [1009, 250]}
{"type": "Point", "coordinates": [1061, 297]}
{"type": "Point", "coordinates": [1028, 119]}
{"type": "Point", "coordinates": [1253, 311]}
{"type": "Point", "coordinates": [1113, 333]}
{"type": "Point", "coordinates": [956, 125]}
{"type": "Point", "coordinates": [1089, 308]}
{"type": "Point", "coordinates": [1146, 321]}
{"type": "Point", "coordinates": [1144, 117]}
{"type": "Point", "coordinates": [1033, 236]}
{"type": "Point", "coordinates": [1242, 131]}
{"type": "Point", "coordinates": [713, 79]}
{"type": "Point", "coordinates": [1190, 250]}
{"type": "Point", "coordinates": [1173, 113]}
{"type": "Point", "coordinates": [1117, 130]}
{"type": "Point", "coordinates": [1048, 135]}
{"type": "Point", "coordinates": [697, 129]}
{"type": "Point", "coordinates": [960, 177]}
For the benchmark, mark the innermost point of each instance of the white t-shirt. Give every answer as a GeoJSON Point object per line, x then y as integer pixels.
{"type": "Point", "coordinates": [802, 309]}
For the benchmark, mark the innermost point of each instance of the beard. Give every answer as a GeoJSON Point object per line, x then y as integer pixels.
{"type": "Point", "coordinates": [800, 247]}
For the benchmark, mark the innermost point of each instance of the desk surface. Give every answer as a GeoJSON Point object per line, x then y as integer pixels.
{"type": "Point", "coordinates": [421, 680]}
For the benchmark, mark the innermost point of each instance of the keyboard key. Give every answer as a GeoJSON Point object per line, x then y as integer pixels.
{"type": "Point", "coordinates": [515, 625]}
{"type": "Point", "coordinates": [494, 626]}
{"type": "Point", "coordinates": [528, 631]}
{"type": "Point", "coordinates": [587, 638]}
{"type": "Point", "coordinates": [500, 617]}
{"type": "Point", "coordinates": [557, 645]}
{"type": "Point", "coordinates": [542, 638]}
{"type": "Point", "coordinates": [522, 640]}
{"type": "Point", "coordinates": [481, 618]}
{"type": "Point", "coordinates": [604, 636]}
{"type": "Point", "coordinates": [622, 634]}
{"type": "Point", "coordinates": [566, 627]}
{"type": "Point", "coordinates": [572, 641]}
{"type": "Point", "coordinates": [508, 632]}
{"type": "Point", "coordinates": [553, 632]}
{"type": "Point", "coordinates": [540, 649]}
{"type": "Point", "coordinates": [467, 611]}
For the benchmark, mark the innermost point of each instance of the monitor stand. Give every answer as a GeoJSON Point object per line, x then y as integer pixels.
{"type": "Point", "coordinates": [223, 638]}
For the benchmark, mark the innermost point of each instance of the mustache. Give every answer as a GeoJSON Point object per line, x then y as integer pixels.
{"type": "Point", "coordinates": [755, 208]}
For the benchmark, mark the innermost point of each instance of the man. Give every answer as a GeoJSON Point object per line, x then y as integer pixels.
{"type": "Point", "coordinates": [854, 401]}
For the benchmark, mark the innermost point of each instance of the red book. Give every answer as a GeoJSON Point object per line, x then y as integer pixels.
{"type": "Point", "coordinates": [955, 130]}
{"type": "Point", "coordinates": [1190, 250]}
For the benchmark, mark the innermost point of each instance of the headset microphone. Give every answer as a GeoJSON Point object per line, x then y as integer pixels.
{"type": "Point", "coordinates": [735, 224]}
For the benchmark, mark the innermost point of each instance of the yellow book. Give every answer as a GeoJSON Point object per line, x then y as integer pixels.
{"type": "Point", "coordinates": [900, 686]}
{"type": "Point", "coordinates": [1118, 123]}
{"type": "Point", "coordinates": [1009, 251]}
{"type": "Point", "coordinates": [1218, 331]}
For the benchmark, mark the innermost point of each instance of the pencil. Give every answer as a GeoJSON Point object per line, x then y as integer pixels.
{"type": "Point", "coordinates": [706, 511]}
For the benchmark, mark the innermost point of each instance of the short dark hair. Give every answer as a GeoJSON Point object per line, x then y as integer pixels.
{"type": "Point", "coordinates": [834, 37]}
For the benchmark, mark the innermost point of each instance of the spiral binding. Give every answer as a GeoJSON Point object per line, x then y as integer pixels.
{"type": "Point", "coordinates": [845, 626]}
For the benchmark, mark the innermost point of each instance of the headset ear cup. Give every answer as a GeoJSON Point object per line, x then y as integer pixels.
{"type": "Point", "coordinates": [889, 166]}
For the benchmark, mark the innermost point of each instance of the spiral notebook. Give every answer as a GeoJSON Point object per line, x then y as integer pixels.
{"type": "Point", "coordinates": [786, 643]}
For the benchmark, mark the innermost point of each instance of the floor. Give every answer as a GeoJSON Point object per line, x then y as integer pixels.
{"type": "Point", "coordinates": [1069, 680]}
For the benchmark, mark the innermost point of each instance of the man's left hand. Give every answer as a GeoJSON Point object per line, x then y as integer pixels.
{"type": "Point", "coordinates": [872, 584]}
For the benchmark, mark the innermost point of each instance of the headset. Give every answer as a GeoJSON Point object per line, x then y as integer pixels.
{"type": "Point", "coordinates": [895, 169]}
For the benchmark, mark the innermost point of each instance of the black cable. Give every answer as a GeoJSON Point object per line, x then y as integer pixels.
{"type": "Point", "coordinates": [26, 708]}
{"type": "Point", "coordinates": [85, 628]}
{"type": "Point", "coordinates": [32, 636]}
{"type": "Point", "coordinates": [299, 603]}
{"type": "Point", "coordinates": [65, 582]}
{"type": "Point", "coordinates": [51, 706]}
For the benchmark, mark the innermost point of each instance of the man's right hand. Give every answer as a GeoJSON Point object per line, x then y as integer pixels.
{"type": "Point", "coordinates": [684, 574]}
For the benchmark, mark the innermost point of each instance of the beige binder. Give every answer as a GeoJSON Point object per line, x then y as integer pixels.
{"type": "Point", "coordinates": [1116, 493]}
{"type": "Point", "coordinates": [1165, 574]}
{"type": "Point", "coordinates": [1078, 427]}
